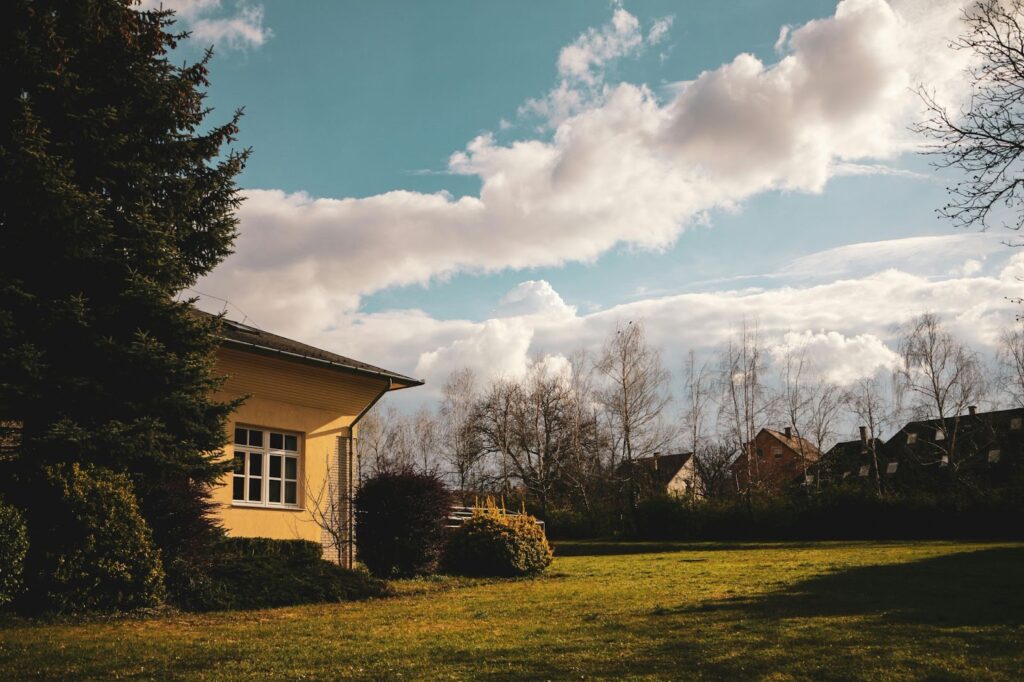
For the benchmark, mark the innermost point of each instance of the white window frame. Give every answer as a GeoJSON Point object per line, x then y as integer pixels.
{"type": "Point", "coordinates": [265, 452]}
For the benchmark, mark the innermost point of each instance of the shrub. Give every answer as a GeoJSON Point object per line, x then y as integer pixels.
{"type": "Point", "coordinates": [256, 573]}
{"type": "Point", "coordinates": [495, 544]}
{"type": "Point", "coordinates": [400, 522]}
{"type": "Point", "coordinates": [90, 550]}
{"type": "Point", "coordinates": [13, 545]}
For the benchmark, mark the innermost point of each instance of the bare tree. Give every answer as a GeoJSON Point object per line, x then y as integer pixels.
{"type": "Point", "coordinates": [698, 398]}
{"type": "Point", "coordinates": [745, 403]}
{"type": "Point", "coordinates": [384, 443]}
{"type": "Point", "coordinates": [634, 396]}
{"type": "Point", "coordinates": [459, 436]}
{"type": "Point", "coordinates": [711, 462]}
{"type": "Point", "coordinates": [583, 470]}
{"type": "Point", "coordinates": [1011, 363]}
{"type": "Point", "coordinates": [811, 405]}
{"type": "Point", "coordinates": [939, 378]}
{"type": "Point", "coordinates": [867, 400]}
{"type": "Point", "coordinates": [426, 438]}
{"type": "Point", "coordinates": [330, 506]}
{"type": "Point", "coordinates": [985, 138]}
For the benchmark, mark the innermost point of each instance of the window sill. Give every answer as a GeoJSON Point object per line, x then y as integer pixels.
{"type": "Point", "coordinates": [268, 507]}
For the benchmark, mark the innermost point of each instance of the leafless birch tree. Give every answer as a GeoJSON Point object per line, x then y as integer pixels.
{"type": "Point", "coordinates": [939, 378]}
{"type": "Point", "coordinates": [634, 396]}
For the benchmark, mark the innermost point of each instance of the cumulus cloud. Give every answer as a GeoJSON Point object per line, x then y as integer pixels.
{"type": "Point", "coordinates": [847, 326]}
{"type": "Point", "coordinates": [625, 170]}
{"type": "Point", "coordinates": [535, 297]}
{"type": "Point", "coordinates": [840, 359]}
{"type": "Point", "coordinates": [581, 65]}
{"type": "Point", "coordinates": [208, 22]}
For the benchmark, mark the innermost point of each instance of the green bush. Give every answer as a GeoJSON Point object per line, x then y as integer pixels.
{"type": "Point", "coordinates": [496, 544]}
{"type": "Point", "coordinates": [400, 522]}
{"type": "Point", "coordinates": [257, 573]}
{"type": "Point", "coordinates": [89, 549]}
{"type": "Point", "coordinates": [13, 546]}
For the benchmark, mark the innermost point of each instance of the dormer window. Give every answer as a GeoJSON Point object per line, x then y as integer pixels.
{"type": "Point", "coordinates": [940, 434]}
{"type": "Point", "coordinates": [911, 438]}
{"type": "Point", "coordinates": [1016, 423]}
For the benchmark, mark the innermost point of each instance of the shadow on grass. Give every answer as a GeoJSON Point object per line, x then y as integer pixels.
{"type": "Point", "coordinates": [614, 548]}
{"type": "Point", "coordinates": [926, 610]}
{"type": "Point", "coordinates": [983, 587]}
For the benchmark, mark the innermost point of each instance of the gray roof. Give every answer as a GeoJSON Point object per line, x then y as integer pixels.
{"type": "Point", "coordinates": [245, 337]}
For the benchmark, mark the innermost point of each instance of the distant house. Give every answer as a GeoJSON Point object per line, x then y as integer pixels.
{"type": "Point", "coordinates": [976, 444]}
{"type": "Point", "coordinates": [853, 460]}
{"type": "Point", "coordinates": [774, 460]}
{"type": "Point", "coordinates": [673, 475]}
{"type": "Point", "coordinates": [293, 441]}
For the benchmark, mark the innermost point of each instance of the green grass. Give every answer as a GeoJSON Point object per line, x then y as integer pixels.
{"type": "Point", "coordinates": [900, 611]}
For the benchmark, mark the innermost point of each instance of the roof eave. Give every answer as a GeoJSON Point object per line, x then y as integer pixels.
{"type": "Point", "coordinates": [396, 381]}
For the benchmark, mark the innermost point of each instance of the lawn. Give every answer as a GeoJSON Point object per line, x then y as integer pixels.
{"type": "Point", "coordinates": [900, 611]}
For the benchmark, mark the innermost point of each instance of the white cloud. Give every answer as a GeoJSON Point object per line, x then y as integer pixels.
{"type": "Point", "coordinates": [535, 297]}
{"type": "Point", "coordinates": [840, 359]}
{"type": "Point", "coordinates": [625, 170]}
{"type": "Point", "coordinates": [243, 28]}
{"type": "Point", "coordinates": [847, 327]}
{"type": "Point", "coordinates": [628, 168]}
{"type": "Point", "coordinates": [581, 65]}
{"type": "Point", "coordinates": [927, 256]}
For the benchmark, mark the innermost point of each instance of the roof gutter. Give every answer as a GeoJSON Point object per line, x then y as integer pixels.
{"type": "Point", "coordinates": [404, 382]}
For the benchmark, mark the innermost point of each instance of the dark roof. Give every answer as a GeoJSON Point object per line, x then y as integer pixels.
{"type": "Point", "coordinates": [793, 442]}
{"type": "Point", "coordinates": [664, 467]}
{"type": "Point", "coordinates": [249, 338]}
{"type": "Point", "coordinates": [996, 420]}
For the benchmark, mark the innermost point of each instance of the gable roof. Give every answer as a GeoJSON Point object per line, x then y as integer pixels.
{"type": "Point", "coordinates": [793, 442]}
{"type": "Point", "coordinates": [248, 338]}
{"type": "Point", "coordinates": [663, 468]}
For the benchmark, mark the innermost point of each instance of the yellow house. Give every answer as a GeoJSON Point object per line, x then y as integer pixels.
{"type": "Point", "coordinates": [293, 441]}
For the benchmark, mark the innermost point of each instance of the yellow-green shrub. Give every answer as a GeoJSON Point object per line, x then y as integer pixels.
{"type": "Point", "coordinates": [13, 545]}
{"type": "Point", "coordinates": [90, 549]}
{"type": "Point", "coordinates": [493, 543]}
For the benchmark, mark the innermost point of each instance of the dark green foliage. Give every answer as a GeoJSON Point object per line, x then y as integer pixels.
{"type": "Point", "coordinates": [116, 195]}
{"type": "Point", "coordinates": [836, 514]}
{"type": "Point", "coordinates": [89, 548]}
{"type": "Point", "coordinates": [400, 523]}
{"type": "Point", "coordinates": [496, 544]}
{"type": "Point", "coordinates": [256, 573]}
{"type": "Point", "coordinates": [13, 546]}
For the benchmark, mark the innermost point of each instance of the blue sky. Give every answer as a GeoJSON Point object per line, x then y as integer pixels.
{"type": "Point", "coordinates": [417, 198]}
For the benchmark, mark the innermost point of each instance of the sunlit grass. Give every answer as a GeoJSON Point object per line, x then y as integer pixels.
{"type": "Point", "coordinates": [901, 611]}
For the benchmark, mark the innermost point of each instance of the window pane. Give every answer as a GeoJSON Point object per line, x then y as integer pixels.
{"type": "Point", "coordinates": [255, 437]}
{"type": "Point", "coordinates": [239, 463]}
{"type": "Point", "coordinates": [291, 468]}
{"type": "Point", "coordinates": [240, 436]}
{"type": "Point", "coordinates": [255, 464]}
{"type": "Point", "coordinates": [291, 443]}
{"type": "Point", "coordinates": [274, 494]}
{"type": "Point", "coordinates": [255, 492]}
{"type": "Point", "coordinates": [238, 491]}
{"type": "Point", "coordinates": [276, 441]}
{"type": "Point", "coordinates": [275, 466]}
{"type": "Point", "coordinates": [290, 489]}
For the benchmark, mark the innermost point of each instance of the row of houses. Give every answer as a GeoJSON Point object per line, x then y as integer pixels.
{"type": "Point", "coordinates": [984, 446]}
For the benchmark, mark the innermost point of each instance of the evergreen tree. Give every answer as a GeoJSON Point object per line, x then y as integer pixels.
{"type": "Point", "coordinates": [116, 197]}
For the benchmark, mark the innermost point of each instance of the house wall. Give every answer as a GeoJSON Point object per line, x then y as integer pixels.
{"type": "Point", "coordinates": [770, 471]}
{"type": "Point", "coordinates": [320, 405]}
{"type": "Point", "coordinates": [681, 483]}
